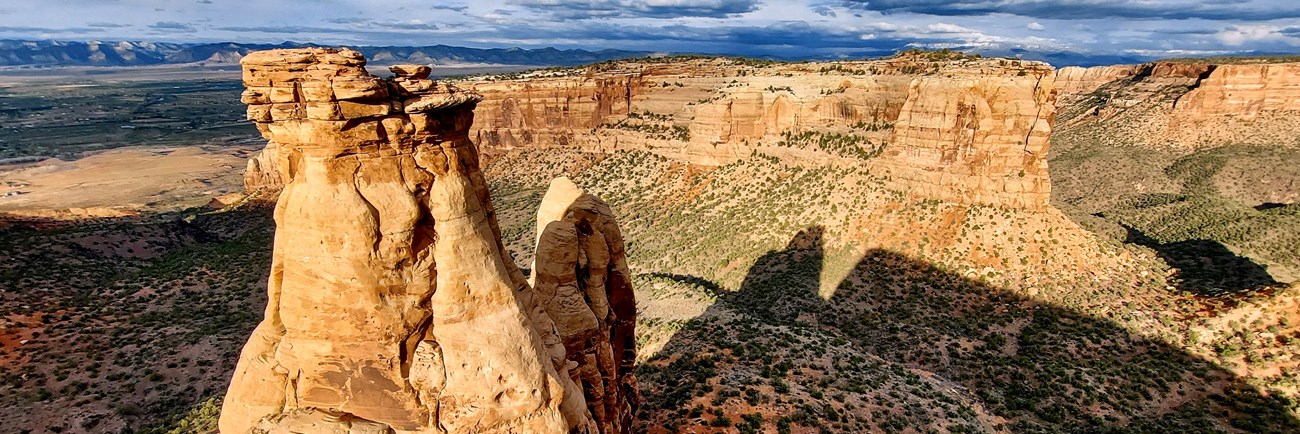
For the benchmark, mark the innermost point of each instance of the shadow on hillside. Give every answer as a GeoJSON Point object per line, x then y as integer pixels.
{"type": "Point", "coordinates": [1043, 368]}
{"type": "Point", "coordinates": [1206, 267]}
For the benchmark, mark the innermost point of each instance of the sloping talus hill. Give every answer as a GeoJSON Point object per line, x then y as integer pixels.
{"type": "Point", "coordinates": [875, 246]}
{"type": "Point", "coordinates": [1194, 159]}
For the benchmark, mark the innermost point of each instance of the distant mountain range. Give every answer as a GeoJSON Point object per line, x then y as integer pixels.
{"type": "Point", "coordinates": [129, 53]}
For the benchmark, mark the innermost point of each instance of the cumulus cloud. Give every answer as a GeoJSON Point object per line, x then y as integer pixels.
{"type": "Point", "coordinates": [1035, 27]}
{"type": "Point", "coordinates": [949, 28]}
{"type": "Point", "coordinates": [1237, 36]}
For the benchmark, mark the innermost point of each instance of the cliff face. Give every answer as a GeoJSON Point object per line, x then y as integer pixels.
{"type": "Point", "coordinates": [969, 130]}
{"type": "Point", "coordinates": [1073, 80]}
{"type": "Point", "coordinates": [1184, 105]}
{"type": "Point", "coordinates": [976, 139]}
{"type": "Point", "coordinates": [1244, 91]}
{"type": "Point", "coordinates": [393, 306]}
{"type": "Point", "coordinates": [529, 113]}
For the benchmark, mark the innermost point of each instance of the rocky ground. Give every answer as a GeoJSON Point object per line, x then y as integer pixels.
{"type": "Point", "coordinates": [785, 288]}
{"type": "Point", "coordinates": [126, 323]}
{"type": "Point", "coordinates": [916, 334]}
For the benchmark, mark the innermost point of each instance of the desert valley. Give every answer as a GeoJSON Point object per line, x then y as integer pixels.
{"type": "Point", "coordinates": [304, 239]}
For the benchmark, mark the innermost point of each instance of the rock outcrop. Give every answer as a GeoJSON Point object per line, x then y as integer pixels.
{"type": "Point", "coordinates": [581, 276]}
{"type": "Point", "coordinates": [1072, 80]}
{"type": "Point", "coordinates": [1185, 105]}
{"type": "Point", "coordinates": [393, 306]}
{"type": "Point", "coordinates": [966, 129]}
{"type": "Point", "coordinates": [1244, 91]}
{"type": "Point", "coordinates": [262, 176]}
{"type": "Point", "coordinates": [976, 139]}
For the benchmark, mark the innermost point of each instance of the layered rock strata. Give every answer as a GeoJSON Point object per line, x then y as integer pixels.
{"type": "Point", "coordinates": [976, 139]}
{"type": "Point", "coordinates": [393, 306]}
{"type": "Point", "coordinates": [1245, 91]}
{"type": "Point", "coordinates": [1185, 104]}
{"type": "Point", "coordinates": [969, 130]}
{"type": "Point", "coordinates": [1072, 80]}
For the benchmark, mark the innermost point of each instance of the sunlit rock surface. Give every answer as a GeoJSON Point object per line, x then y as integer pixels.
{"type": "Point", "coordinates": [393, 307]}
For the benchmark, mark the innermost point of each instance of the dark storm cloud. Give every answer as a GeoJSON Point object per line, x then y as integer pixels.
{"type": "Point", "coordinates": [461, 8]}
{"type": "Point", "coordinates": [171, 26]}
{"type": "Point", "coordinates": [785, 39]}
{"type": "Point", "coordinates": [640, 8]}
{"type": "Point", "coordinates": [1092, 9]}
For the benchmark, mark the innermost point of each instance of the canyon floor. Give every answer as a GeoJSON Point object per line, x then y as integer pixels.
{"type": "Point", "coordinates": [776, 294]}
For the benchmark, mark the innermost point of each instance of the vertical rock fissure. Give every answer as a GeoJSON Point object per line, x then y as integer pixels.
{"type": "Point", "coordinates": [1038, 114]}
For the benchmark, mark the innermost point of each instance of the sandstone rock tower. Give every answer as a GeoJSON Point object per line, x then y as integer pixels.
{"type": "Point", "coordinates": [393, 306]}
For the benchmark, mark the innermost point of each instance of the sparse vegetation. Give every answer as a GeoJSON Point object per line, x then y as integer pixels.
{"type": "Point", "coordinates": [777, 294]}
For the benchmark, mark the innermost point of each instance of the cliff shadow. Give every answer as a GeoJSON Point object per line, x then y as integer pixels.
{"type": "Point", "coordinates": [1205, 267]}
{"type": "Point", "coordinates": [1022, 364]}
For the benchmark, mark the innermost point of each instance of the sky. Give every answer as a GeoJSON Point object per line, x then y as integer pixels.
{"type": "Point", "coordinates": [792, 28]}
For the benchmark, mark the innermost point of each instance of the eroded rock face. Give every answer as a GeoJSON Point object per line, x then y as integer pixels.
{"type": "Point", "coordinates": [976, 139]}
{"type": "Point", "coordinates": [1185, 105]}
{"type": "Point", "coordinates": [393, 306]}
{"type": "Point", "coordinates": [1078, 80]}
{"type": "Point", "coordinates": [967, 130]}
{"type": "Point", "coordinates": [262, 176]}
{"type": "Point", "coordinates": [581, 278]}
{"type": "Point", "coordinates": [1244, 91]}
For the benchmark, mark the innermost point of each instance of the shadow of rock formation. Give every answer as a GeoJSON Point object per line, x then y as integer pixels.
{"type": "Point", "coordinates": [990, 360]}
{"type": "Point", "coordinates": [1205, 267]}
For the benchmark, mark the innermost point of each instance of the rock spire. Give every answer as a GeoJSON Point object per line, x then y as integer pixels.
{"type": "Point", "coordinates": [393, 306]}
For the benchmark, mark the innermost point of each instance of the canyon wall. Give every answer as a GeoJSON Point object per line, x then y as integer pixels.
{"type": "Point", "coordinates": [1244, 91]}
{"type": "Point", "coordinates": [1072, 80]}
{"type": "Point", "coordinates": [968, 130]}
{"type": "Point", "coordinates": [976, 139]}
{"type": "Point", "coordinates": [1185, 104]}
{"type": "Point", "coordinates": [393, 306]}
